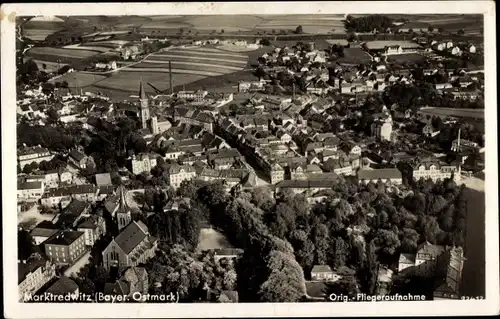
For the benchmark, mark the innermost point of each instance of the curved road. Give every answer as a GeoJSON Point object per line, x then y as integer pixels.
{"type": "Point", "coordinates": [473, 275]}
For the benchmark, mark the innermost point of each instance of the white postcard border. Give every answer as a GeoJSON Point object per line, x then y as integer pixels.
{"type": "Point", "coordinates": [22, 310]}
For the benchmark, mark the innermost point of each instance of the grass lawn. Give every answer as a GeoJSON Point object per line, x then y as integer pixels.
{"type": "Point", "coordinates": [354, 56]}
{"type": "Point", "coordinates": [212, 239]}
{"type": "Point", "coordinates": [402, 58]}
{"type": "Point", "coordinates": [77, 79]}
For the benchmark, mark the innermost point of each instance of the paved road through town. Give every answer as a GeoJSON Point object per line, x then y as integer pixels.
{"type": "Point", "coordinates": [473, 276]}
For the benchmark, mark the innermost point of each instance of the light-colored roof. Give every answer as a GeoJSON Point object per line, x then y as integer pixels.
{"type": "Point", "coordinates": [321, 268]}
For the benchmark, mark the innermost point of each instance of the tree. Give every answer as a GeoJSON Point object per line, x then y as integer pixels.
{"type": "Point", "coordinates": [303, 247]}
{"type": "Point", "coordinates": [341, 252]}
{"type": "Point", "coordinates": [387, 241]}
{"type": "Point", "coordinates": [265, 42]}
{"type": "Point", "coordinates": [461, 32]}
{"type": "Point", "coordinates": [409, 239]}
{"type": "Point", "coordinates": [430, 29]}
{"type": "Point", "coordinates": [440, 30]}
{"type": "Point", "coordinates": [299, 30]}
{"type": "Point", "coordinates": [260, 73]}
{"type": "Point", "coordinates": [285, 282]}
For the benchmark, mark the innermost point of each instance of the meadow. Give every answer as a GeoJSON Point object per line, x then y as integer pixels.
{"type": "Point", "coordinates": [79, 79]}
{"type": "Point", "coordinates": [127, 81]}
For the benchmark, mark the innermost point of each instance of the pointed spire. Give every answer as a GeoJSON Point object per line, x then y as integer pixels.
{"type": "Point", "coordinates": [123, 202]}
{"type": "Point", "coordinates": [142, 93]}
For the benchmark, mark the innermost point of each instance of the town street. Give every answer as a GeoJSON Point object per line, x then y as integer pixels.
{"type": "Point", "coordinates": [473, 276]}
{"type": "Point", "coordinates": [75, 268]}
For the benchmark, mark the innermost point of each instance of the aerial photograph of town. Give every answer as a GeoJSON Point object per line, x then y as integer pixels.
{"type": "Point", "coordinates": [250, 158]}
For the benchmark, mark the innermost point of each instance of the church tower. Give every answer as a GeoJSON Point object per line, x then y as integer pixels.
{"type": "Point", "coordinates": [123, 215]}
{"type": "Point", "coordinates": [145, 116]}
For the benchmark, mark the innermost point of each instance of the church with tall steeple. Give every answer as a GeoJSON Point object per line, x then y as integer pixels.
{"type": "Point", "coordinates": [144, 106]}
{"type": "Point", "coordinates": [123, 214]}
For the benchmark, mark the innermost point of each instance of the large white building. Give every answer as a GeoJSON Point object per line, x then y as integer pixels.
{"type": "Point", "coordinates": [143, 163]}
{"type": "Point", "coordinates": [176, 174]}
{"type": "Point", "coordinates": [34, 154]}
{"type": "Point", "coordinates": [382, 128]}
{"type": "Point", "coordinates": [435, 171]}
{"type": "Point", "coordinates": [30, 191]}
{"type": "Point", "coordinates": [423, 262]}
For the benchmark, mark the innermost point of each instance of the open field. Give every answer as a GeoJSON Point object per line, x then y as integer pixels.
{"type": "Point", "coordinates": [87, 47]}
{"type": "Point", "coordinates": [37, 34]}
{"type": "Point", "coordinates": [380, 44]}
{"type": "Point", "coordinates": [337, 41]}
{"type": "Point", "coordinates": [61, 52]}
{"type": "Point", "coordinates": [196, 61]}
{"type": "Point", "coordinates": [354, 56]}
{"type": "Point", "coordinates": [164, 58]}
{"type": "Point", "coordinates": [211, 239]}
{"type": "Point", "coordinates": [443, 112]}
{"type": "Point", "coordinates": [78, 79]}
{"type": "Point", "coordinates": [402, 58]}
{"type": "Point", "coordinates": [129, 81]}
{"type": "Point", "coordinates": [164, 25]}
{"type": "Point", "coordinates": [229, 23]}
{"type": "Point", "coordinates": [310, 23]}
{"type": "Point", "coordinates": [48, 66]}
{"type": "Point", "coordinates": [235, 48]}
{"type": "Point", "coordinates": [108, 44]}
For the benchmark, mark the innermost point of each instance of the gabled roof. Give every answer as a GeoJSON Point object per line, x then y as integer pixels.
{"type": "Point", "coordinates": [64, 238]}
{"type": "Point", "coordinates": [131, 236]}
{"type": "Point", "coordinates": [321, 268]}
{"type": "Point", "coordinates": [63, 286]}
{"type": "Point", "coordinates": [384, 173]}
{"type": "Point", "coordinates": [407, 259]}
{"type": "Point", "coordinates": [76, 155]}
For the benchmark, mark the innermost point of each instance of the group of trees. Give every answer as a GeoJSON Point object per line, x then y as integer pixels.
{"type": "Point", "coordinates": [176, 269]}
{"type": "Point", "coordinates": [287, 225]}
{"type": "Point", "coordinates": [368, 23]}
{"type": "Point", "coordinates": [268, 270]}
{"type": "Point", "coordinates": [55, 138]}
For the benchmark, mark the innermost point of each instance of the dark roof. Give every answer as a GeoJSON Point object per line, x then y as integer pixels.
{"type": "Point", "coordinates": [106, 189]}
{"type": "Point", "coordinates": [131, 236]}
{"type": "Point", "coordinates": [75, 208]}
{"type": "Point", "coordinates": [42, 232]}
{"type": "Point", "coordinates": [313, 183]}
{"type": "Point", "coordinates": [65, 238]}
{"type": "Point", "coordinates": [383, 173]}
{"type": "Point", "coordinates": [76, 155]}
{"type": "Point", "coordinates": [29, 185]}
{"type": "Point", "coordinates": [63, 286]}
{"type": "Point", "coordinates": [71, 190]}
{"type": "Point", "coordinates": [24, 269]}
{"type": "Point", "coordinates": [89, 223]}
{"type": "Point", "coordinates": [46, 224]}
